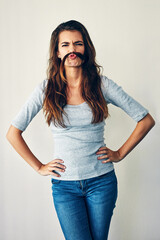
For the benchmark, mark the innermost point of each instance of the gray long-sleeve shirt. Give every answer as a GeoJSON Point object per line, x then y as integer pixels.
{"type": "Point", "coordinates": [77, 144]}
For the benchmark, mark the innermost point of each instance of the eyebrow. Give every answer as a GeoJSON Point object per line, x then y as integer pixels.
{"type": "Point", "coordinates": [74, 42]}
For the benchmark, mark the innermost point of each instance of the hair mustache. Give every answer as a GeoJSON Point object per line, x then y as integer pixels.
{"type": "Point", "coordinates": [76, 53]}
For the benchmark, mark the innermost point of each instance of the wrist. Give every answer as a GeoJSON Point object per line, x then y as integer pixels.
{"type": "Point", "coordinates": [121, 156]}
{"type": "Point", "coordinates": [39, 168]}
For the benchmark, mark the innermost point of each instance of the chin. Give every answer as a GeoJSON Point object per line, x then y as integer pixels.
{"type": "Point", "coordinates": [73, 65]}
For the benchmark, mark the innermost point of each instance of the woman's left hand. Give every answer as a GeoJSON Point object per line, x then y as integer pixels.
{"type": "Point", "coordinates": [112, 156]}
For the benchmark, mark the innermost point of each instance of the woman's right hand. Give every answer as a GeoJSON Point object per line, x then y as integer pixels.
{"type": "Point", "coordinates": [47, 169]}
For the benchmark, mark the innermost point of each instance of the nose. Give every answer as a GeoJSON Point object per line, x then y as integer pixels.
{"type": "Point", "coordinates": [72, 48]}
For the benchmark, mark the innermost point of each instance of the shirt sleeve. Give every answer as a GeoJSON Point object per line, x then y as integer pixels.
{"type": "Point", "coordinates": [115, 95]}
{"type": "Point", "coordinates": [30, 108]}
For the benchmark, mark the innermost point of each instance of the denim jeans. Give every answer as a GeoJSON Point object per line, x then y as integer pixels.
{"type": "Point", "coordinates": [85, 207]}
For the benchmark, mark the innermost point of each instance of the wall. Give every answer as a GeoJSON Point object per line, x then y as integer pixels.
{"type": "Point", "coordinates": [126, 37]}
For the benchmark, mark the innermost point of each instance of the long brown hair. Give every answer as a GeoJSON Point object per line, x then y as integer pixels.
{"type": "Point", "coordinates": [55, 92]}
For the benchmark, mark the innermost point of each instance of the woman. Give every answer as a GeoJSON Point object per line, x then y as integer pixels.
{"type": "Point", "coordinates": [74, 99]}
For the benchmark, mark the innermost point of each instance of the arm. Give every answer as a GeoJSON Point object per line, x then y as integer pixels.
{"type": "Point", "coordinates": [140, 131]}
{"type": "Point", "coordinates": [115, 95]}
{"type": "Point", "coordinates": [14, 136]}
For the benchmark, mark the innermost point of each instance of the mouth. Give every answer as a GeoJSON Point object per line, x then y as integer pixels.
{"type": "Point", "coordinates": [72, 56]}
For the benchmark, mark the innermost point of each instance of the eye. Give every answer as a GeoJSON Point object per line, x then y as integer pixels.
{"type": "Point", "coordinates": [80, 44]}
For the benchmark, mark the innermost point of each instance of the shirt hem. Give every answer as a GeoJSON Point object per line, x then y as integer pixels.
{"type": "Point", "coordinates": [69, 178]}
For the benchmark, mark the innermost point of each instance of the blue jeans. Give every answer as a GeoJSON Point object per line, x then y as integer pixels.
{"type": "Point", "coordinates": [85, 207]}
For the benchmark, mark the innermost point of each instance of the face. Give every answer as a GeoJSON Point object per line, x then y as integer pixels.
{"type": "Point", "coordinates": [70, 41]}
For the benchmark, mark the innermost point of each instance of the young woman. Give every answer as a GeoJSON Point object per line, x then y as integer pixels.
{"type": "Point", "coordinates": [74, 99]}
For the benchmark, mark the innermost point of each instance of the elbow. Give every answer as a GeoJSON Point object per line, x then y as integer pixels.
{"type": "Point", "coordinates": [151, 121]}
{"type": "Point", "coordinates": [147, 122]}
{"type": "Point", "coordinates": [152, 124]}
{"type": "Point", "coordinates": [9, 135]}
{"type": "Point", "coordinates": [12, 133]}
